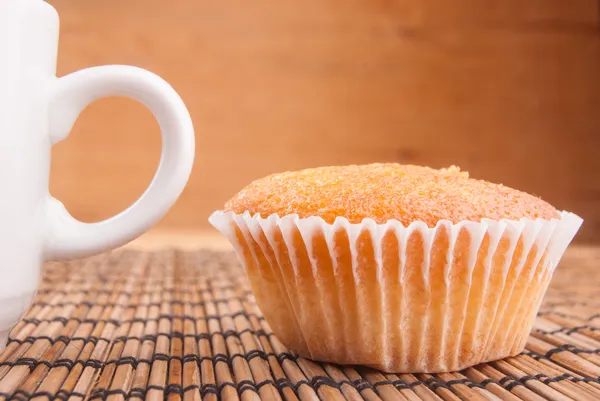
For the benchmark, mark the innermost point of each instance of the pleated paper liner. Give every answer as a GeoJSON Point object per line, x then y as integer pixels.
{"type": "Point", "coordinates": [184, 326]}
{"type": "Point", "coordinates": [400, 299]}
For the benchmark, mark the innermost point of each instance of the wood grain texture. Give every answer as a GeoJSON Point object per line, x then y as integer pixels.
{"type": "Point", "coordinates": [508, 90]}
{"type": "Point", "coordinates": [185, 326]}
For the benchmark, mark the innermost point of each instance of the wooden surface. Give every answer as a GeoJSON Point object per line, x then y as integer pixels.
{"type": "Point", "coordinates": [508, 90]}
{"type": "Point", "coordinates": [185, 326]}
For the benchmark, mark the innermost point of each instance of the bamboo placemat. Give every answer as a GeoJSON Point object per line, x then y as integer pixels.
{"type": "Point", "coordinates": [183, 325]}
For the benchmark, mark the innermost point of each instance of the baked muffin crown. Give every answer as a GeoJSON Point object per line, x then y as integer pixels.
{"type": "Point", "coordinates": [383, 192]}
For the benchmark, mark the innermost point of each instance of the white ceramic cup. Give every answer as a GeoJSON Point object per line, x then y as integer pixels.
{"type": "Point", "coordinates": [36, 111]}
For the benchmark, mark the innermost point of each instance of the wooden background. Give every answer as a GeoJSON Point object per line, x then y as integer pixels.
{"type": "Point", "coordinates": [508, 90]}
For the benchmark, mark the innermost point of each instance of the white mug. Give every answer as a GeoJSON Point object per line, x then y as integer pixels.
{"type": "Point", "coordinates": [36, 111]}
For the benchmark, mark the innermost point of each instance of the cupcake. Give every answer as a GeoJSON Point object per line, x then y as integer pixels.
{"type": "Point", "coordinates": [398, 267]}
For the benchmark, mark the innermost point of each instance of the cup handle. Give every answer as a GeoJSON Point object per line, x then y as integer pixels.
{"type": "Point", "coordinates": [68, 238]}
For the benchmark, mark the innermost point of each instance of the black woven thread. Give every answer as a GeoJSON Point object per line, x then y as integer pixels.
{"type": "Point", "coordinates": [434, 383]}
{"type": "Point", "coordinates": [21, 395]}
{"type": "Point", "coordinates": [198, 337]}
{"type": "Point", "coordinates": [566, 315]}
{"type": "Point", "coordinates": [172, 291]}
{"type": "Point", "coordinates": [315, 383]}
{"type": "Point", "coordinates": [509, 383]}
{"type": "Point", "coordinates": [64, 321]}
{"type": "Point", "coordinates": [571, 303]}
{"type": "Point", "coordinates": [569, 330]}
{"type": "Point", "coordinates": [170, 336]}
{"type": "Point", "coordinates": [512, 384]}
{"type": "Point", "coordinates": [171, 302]}
{"type": "Point", "coordinates": [240, 387]}
{"type": "Point", "coordinates": [541, 378]}
{"type": "Point", "coordinates": [66, 363]}
{"type": "Point", "coordinates": [283, 382]}
{"type": "Point", "coordinates": [63, 394]}
{"type": "Point", "coordinates": [466, 382]}
{"type": "Point", "coordinates": [31, 339]}
{"type": "Point", "coordinates": [543, 313]}
{"type": "Point", "coordinates": [62, 339]}
{"type": "Point", "coordinates": [360, 385]}
{"type": "Point", "coordinates": [246, 385]}
{"type": "Point", "coordinates": [398, 384]}
{"type": "Point", "coordinates": [534, 355]}
{"type": "Point", "coordinates": [24, 395]}
{"type": "Point", "coordinates": [126, 360]}
{"type": "Point", "coordinates": [487, 381]}
{"type": "Point", "coordinates": [549, 380]}
{"type": "Point", "coordinates": [570, 348]}
{"type": "Point", "coordinates": [36, 322]}
{"type": "Point", "coordinates": [45, 394]}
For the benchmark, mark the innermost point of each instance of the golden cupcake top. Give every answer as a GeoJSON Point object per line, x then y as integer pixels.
{"type": "Point", "coordinates": [383, 192]}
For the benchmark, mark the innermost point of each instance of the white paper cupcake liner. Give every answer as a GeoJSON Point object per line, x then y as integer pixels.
{"type": "Point", "coordinates": [401, 299]}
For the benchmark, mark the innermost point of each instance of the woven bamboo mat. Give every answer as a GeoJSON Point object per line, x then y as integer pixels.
{"type": "Point", "coordinates": [183, 325]}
